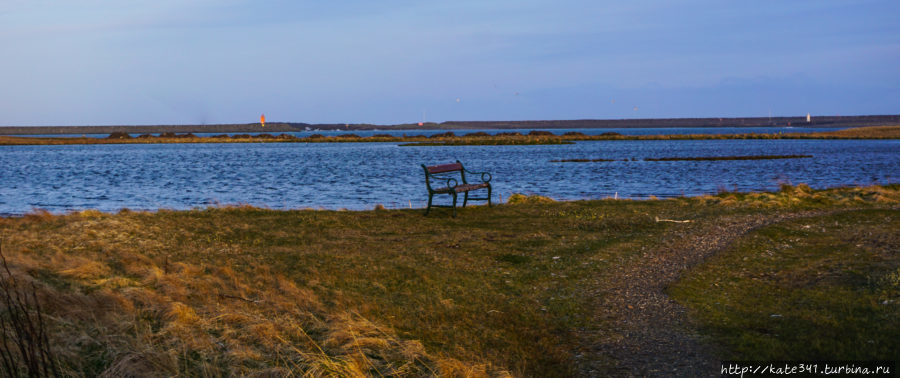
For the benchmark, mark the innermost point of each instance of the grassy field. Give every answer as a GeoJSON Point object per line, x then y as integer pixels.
{"type": "Point", "coordinates": [451, 139]}
{"type": "Point", "coordinates": [790, 291]}
{"type": "Point", "coordinates": [507, 290]}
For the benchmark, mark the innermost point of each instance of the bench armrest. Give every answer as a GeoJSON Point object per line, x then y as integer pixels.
{"type": "Point", "coordinates": [485, 176]}
{"type": "Point", "coordinates": [454, 182]}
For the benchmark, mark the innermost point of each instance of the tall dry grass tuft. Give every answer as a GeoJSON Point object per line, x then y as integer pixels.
{"type": "Point", "coordinates": [147, 364]}
{"type": "Point", "coordinates": [24, 345]}
{"type": "Point", "coordinates": [121, 306]}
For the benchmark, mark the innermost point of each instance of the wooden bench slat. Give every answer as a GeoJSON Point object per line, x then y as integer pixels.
{"type": "Point", "coordinates": [444, 168]}
{"type": "Point", "coordinates": [461, 188]}
{"type": "Point", "coordinates": [467, 187]}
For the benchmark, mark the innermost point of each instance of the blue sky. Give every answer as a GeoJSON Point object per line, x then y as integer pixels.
{"type": "Point", "coordinates": [103, 62]}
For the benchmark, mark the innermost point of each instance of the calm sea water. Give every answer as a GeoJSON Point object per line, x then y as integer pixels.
{"type": "Point", "coordinates": [361, 175]}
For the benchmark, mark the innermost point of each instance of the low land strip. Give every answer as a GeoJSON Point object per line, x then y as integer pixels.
{"type": "Point", "coordinates": [280, 127]}
{"type": "Point", "coordinates": [533, 287]}
{"type": "Point", "coordinates": [446, 139]}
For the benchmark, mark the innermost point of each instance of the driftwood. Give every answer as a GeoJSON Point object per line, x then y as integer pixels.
{"type": "Point", "coordinates": [672, 220]}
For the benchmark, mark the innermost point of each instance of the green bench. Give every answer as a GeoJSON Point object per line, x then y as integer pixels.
{"type": "Point", "coordinates": [442, 179]}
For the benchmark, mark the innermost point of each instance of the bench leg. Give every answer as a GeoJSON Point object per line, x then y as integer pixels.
{"type": "Point", "coordinates": [430, 196]}
{"type": "Point", "coordinates": [465, 199]}
{"type": "Point", "coordinates": [454, 205]}
{"type": "Point", "coordinates": [489, 196]}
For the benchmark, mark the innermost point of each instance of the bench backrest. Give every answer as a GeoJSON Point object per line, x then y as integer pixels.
{"type": "Point", "coordinates": [443, 172]}
{"type": "Point", "coordinates": [444, 168]}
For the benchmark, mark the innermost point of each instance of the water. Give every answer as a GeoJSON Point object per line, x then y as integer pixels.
{"type": "Point", "coordinates": [360, 175]}
{"type": "Point", "coordinates": [623, 131]}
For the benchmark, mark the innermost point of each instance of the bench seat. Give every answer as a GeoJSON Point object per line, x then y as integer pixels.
{"type": "Point", "coordinates": [463, 188]}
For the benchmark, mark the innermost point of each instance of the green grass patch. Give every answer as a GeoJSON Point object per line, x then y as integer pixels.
{"type": "Point", "coordinates": [823, 287]}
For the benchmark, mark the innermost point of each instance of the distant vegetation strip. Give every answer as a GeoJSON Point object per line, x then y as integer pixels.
{"type": "Point", "coordinates": [449, 138]}
{"type": "Point", "coordinates": [279, 127]}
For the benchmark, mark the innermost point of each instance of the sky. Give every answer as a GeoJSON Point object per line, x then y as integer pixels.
{"type": "Point", "coordinates": [145, 62]}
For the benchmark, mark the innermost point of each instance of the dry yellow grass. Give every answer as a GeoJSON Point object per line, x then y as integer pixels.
{"type": "Point", "coordinates": [800, 194]}
{"type": "Point", "coordinates": [867, 132]}
{"type": "Point", "coordinates": [245, 291]}
{"type": "Point", "coordinates": [152, 313]}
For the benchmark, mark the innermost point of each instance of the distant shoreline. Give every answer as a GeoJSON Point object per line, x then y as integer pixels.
{"type": "Point", "coordinates": [278, 127]}
{"type": "Point", "coordinates": [448, 138]}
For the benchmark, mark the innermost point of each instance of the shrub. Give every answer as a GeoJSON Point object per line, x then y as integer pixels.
{"type": "Point", "coordinates": [517, 198]}
{"type": "Point", "coordinates": [448, 134]}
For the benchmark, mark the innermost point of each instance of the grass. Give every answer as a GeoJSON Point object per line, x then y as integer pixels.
{"type": "Point", "coordinates": [497, 291]}
{"type": "Point", "coordinates": [450, 139]}
{"type": "Point", "coordinates": [890, 132]}
{"type": "Point", "coordinates": [818, 288]}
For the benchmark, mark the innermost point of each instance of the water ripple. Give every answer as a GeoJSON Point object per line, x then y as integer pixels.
{"type": "Point", "coordinates": [359, 175]}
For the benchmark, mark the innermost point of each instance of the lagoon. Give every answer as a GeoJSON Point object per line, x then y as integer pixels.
{"type": "Point", "coordinates": [360, 175]}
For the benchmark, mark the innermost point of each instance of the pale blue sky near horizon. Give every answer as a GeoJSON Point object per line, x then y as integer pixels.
{"type": "Point", "coordinates": [103, 62]}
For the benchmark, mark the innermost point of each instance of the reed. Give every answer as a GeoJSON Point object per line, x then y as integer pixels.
{"type": "Point", "coordinates": [24, 345]}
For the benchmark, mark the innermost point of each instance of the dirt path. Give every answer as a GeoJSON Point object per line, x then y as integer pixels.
{"type": "Point", "coordinates": [652, 335]}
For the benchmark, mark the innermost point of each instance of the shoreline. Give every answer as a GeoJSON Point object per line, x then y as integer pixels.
{"type": "Point", "coordinates": [513, 199]}
{"type": "Point", "coordinates": [449, 138]}
{"type": "Point", "coordinates": [277, 127]}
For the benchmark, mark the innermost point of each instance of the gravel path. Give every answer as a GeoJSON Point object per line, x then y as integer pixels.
{"type": "Point", "coordinates": [651, 333]}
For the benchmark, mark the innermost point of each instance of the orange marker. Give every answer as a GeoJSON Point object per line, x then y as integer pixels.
{"type": "Point", "coordinates": [262, 120]}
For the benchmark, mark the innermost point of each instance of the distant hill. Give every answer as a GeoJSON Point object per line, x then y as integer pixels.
{"type": "Point", "coordinates": [277, 127]}
{"type": "Point", "coordinates": [823, 121]}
